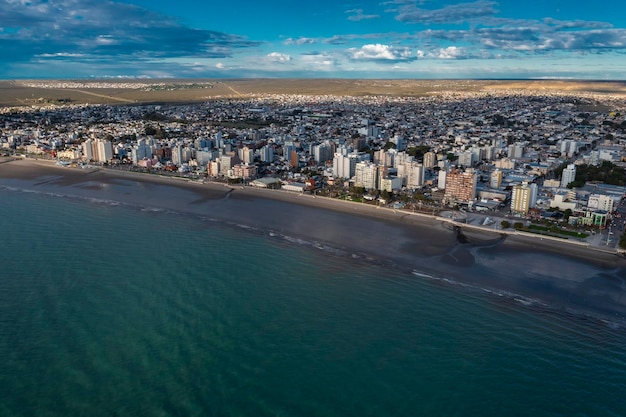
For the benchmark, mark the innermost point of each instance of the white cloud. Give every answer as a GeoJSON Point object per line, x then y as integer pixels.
{"type": "Point", "coordinates": [105, 40]}
{"type": "Point", "coordinates": [319, 62]}
{"type": "Point", "coordinates": [358, 15]}
{"type": "Point", "coordinates": [219, 65]}
{"type": "Point", "coordinates": [278, 57]}
{"type": "Point", "coordinates": [380, 52]}
{"type": "Point", "coordinates": [451, 52]}
{"type": "Point", "coordinates": [454, 13]}
{"type": "Point", "coordinates": [299, 41]}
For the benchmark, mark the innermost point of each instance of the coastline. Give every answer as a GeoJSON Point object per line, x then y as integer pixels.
{"type": "Point", "coordinates": [566, 276]}
{"type": "Point", "coordinates": [207, 192]}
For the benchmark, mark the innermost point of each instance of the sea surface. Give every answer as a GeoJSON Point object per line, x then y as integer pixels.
{"type": "Point", "coordinates": [113, 310]}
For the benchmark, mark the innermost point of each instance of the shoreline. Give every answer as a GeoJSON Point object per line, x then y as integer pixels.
{"type": "Point", "coordinates": [212, 191]}
{"type": "Point", "coordinates": [566, 277]}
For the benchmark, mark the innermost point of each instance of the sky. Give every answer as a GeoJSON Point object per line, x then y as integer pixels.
{"type": "Point", "coordinates": [387, 39]}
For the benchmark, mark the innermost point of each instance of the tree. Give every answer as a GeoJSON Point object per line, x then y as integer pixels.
{"type": "Point", "coordinates": [566, 214]}
{"type": "Point", "coordinates": [505, 224]}
{"type": "Point", "coordinates": [357, 191]}
{"type": "Point", "coordinates": [622, 241]}
{"type": "Point", "coordinates": [385, 195]}
{"type": "Point", "coordinates": [150, 130]}
{"type": "Point", "coordinates": [518, 225]}
{"type": "Point", "coordinates": [418, 151]}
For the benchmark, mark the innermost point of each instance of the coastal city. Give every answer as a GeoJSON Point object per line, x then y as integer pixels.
{"type": "Point", "coordinates": [542, 163]}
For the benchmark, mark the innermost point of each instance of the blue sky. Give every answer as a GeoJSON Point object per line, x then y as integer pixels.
{"type": "Point", "coordinates": [426, 39]}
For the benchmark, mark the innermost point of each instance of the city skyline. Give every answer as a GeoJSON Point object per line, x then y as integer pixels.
{"type": "Point", "coordinates": [368, 39]}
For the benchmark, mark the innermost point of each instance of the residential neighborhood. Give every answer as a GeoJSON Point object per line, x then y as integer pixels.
{"type": "Point", "coordinates": [548, 163]}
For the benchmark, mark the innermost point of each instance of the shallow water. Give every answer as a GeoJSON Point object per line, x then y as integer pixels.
{"type": "Point", "coordinates": [108, 309]}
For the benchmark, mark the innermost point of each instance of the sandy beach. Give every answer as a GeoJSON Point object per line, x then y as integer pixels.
{"type": "Point", "coordinates": [570, 276]}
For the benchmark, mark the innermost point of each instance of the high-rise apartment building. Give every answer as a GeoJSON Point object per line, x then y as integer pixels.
{"type": "Point", "coordinates": [430, 159]}
{"type": "Point", "coordinates": [523, 197]}
{"type": "Point", "coordinates": [246, 155]}
{"type": "Point", "coordinates": [520, 199]}
{"type": "Point", "coordinates": [569, 175]}
{"type": "Point", "coordinates": [460, 185]}
{"type": "Point", "coordinates": [344, 165]}
{"type": "Point", "coordinates": [412, 174]}
{"type": "Point", "coordinates": [366, 175]}
{"type": "Point", "coordinates": [267, 153]}
{"type": "Point", "coordinates": [495, 179]}
{"type": "Point", "coordinates": [322, 152]}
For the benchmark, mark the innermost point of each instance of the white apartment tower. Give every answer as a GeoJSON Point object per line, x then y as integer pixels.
{"type": "Point", "coordinates": [441, 179]}
{"type": "Point", "coordinates": [141, 151]}
{"type": "Point", "coordinates": [412, 174]}
{"type": "Point", "coordinates": [569, 175]}
{"type": "Point", "coordinates": [88, 154]}
{"type": "Point", "coordinates": [344, 166]}
{"type": "Point", "coordinates": [97, 150]}
{"type": "Point", "coordinates": [366, 175]}
{"type": "Point", "coordinates": [246, 155]}
{"type": "Point", "coordinates": [177, 155]}
{"type": "Point", "coordinates": [495, 179]}
{"type": "Point", "coordinates": [430, 159]}
{"type": "Point", "coordinates": [267, 153]}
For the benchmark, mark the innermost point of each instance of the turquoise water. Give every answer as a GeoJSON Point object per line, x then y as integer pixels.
{"type": "Point", "coordinates": [108, 310]}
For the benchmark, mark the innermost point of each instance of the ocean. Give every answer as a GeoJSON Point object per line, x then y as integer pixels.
{"type": "Point", "coordinates": [112, 310]}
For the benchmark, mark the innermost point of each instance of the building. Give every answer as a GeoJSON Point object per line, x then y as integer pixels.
{"type": "Point", "coordinates": [267, 153]}
{"type": "Point", "coordinates": [366, 175]}
{"type": "Point", "coordinates": [88, 150]}
{"type": "Point", "coordinates": [505, 163]}
{"type": "Point", "coordinates": [551, 183]}
{"type": "Point", "coordinates": [69, 154]}
{"type": "Point", "coordinates": [244, 171]}
{"type": "Point", "coordinates": [564, 201]}
{"type": "Point", "coordinates": [460, 186]}
{"type": "Point", "coordinates": [441, 179]}
{"type": "Point", "coordinates": [344, 165]}
{"type": "Point", "coordinates": [322, 153]}
{"type": "Point", "coordinates": [523, 198]}
{"type": "Point", "coordinates": [600, 202]}
{"type": "Point", "coordinates": [430, 159]}
{"type": "Point", "coordinates": [288, 148]}
{"type": "Point", "coordinates": [213, 168]}
{"type": "Point", "coordinates": [515, 151]}
{"type": "Point", "coordinates": [141, 151]}
{"type": "Point", "coordinates": [294, 159]}
{"type": "Point", "coordinates": [97, 150]}
{"type": "Point", "coordinates": [495, 179]}
{"type": "Point", "coordinates": [227, 162]}
{"type": "Point", "coordinates": [390, 184]}
{"type": "Point", "coordinates": [569, 175]}
{"type": "Point", "coordinates": [412, 174]}
{"type": "Point", "coordinates": [466, 159]}
{"type": "Point", "coordinates": [246, 155]}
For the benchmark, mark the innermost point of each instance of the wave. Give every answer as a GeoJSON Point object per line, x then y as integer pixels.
{"type": "Point", "coordinates": [533, 304]}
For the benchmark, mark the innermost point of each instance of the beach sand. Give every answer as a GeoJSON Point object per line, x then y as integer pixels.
{"type": "Point", "coordinates": [565, 276]}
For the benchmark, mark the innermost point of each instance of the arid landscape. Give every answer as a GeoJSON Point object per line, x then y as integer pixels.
{"type": "Point", "coordinates": [47, 92]}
